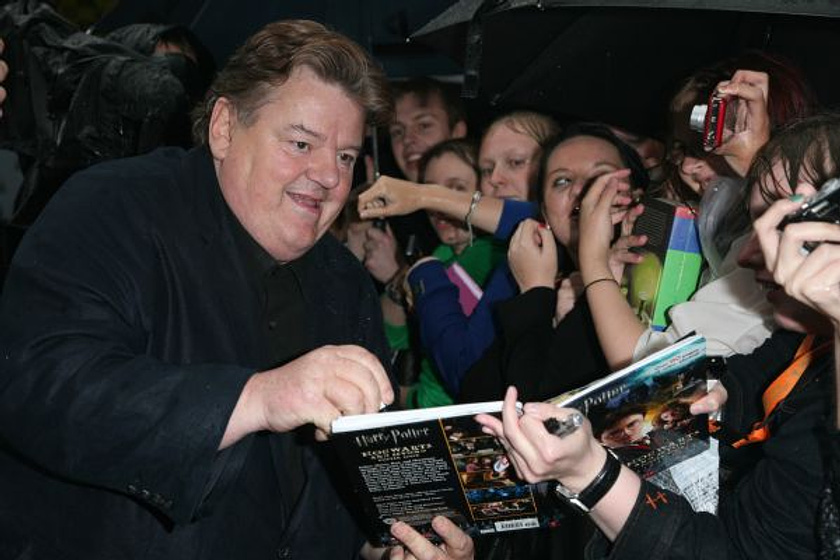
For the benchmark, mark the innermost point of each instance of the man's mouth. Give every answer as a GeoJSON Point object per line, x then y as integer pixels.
{"type": "Point", "coordinates": [307, 202]}
{"type": "Point", "coordinates": [413, 158]}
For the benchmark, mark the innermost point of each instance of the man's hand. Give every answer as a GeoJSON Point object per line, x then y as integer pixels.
{"type": "Point", "coordinates": [315, 388]}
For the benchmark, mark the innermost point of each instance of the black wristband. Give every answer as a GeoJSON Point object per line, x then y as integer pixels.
{"type": "Point", "coordinates": [587, 498]}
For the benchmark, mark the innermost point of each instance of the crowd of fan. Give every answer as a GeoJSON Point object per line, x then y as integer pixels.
{"type": "Point", "coordinates": [499, 255]}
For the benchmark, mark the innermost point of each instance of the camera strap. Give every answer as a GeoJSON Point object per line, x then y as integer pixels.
{"type": "Point", "coordinates": [781, 387]}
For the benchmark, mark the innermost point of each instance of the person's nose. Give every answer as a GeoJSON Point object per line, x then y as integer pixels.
{"type": "Point", "coordinates": [411, 135]}
{"type": "Point", "coordinates": [576, 191]}
{"type": "Point", "coordinates": [323, 168]}
{"type": "Point", "coordinates": [498, 178]}
{"type": "Point", "coordinates": [690, 165]}
{"type": "Point", "coordinates": [750, 255]}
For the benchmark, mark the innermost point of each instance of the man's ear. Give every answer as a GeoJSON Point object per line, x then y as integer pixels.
{"type": "Point", "coordinates": [459, 130]}
{"type": "Point", "coordinates": [222, 121]}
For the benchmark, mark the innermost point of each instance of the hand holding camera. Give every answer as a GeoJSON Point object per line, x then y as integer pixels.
{"type": "Point", "coordinates": [735, 123]}
{"type": "Point", "coordinates": [805, 258]}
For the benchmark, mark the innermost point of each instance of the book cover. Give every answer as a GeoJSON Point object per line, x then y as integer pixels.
{"type": "Point", "coordinates": [642, 412]}
{"type": "Point", "coordinates": [671, 264]}
{"type": "Point", "coordinates": [439, 463]}
{"type": "Point", "coordinates": [469, 292]}
{"type": "Point", "coordinates": [412, 465]}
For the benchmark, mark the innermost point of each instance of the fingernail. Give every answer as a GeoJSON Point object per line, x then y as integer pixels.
{"type": "Point", "coordinates": [796, 198]}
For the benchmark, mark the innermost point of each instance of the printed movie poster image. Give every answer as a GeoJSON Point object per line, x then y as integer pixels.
{"type": "Point", "coordinates": [489, 480]}
{"type": "Point", "coordinates": [650, 428]}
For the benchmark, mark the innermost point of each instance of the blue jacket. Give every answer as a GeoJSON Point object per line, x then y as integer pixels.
{"type": "Point", "coordinates": [454, 340]}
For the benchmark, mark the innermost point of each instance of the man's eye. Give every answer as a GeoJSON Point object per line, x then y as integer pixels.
{"type": "Point", "coordinates": [486, 171]}
{"type": "Point", "coordinates": [300, 145]}
{"type": "Point", "coordinates": [516, 163]}
{"type": "Point", "coordinates": [347, 159]}
{"type": "Point", "coordinates": [396, 132]}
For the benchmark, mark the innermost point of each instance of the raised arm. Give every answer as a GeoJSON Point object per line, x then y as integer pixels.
{"type": "Point", "coordinates": [812, 277]}
{"type": "Point", "coordinates": [636, 519]}
{"type": "Point", "coordinates": [395, 197]}
{"type": "Point", "coordinates": [752, 124]}
{"type": "Point", "coordinates": [617, 326]}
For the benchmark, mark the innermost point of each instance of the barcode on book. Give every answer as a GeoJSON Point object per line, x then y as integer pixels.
{"type": "Point", "coordinates": [514, 524]}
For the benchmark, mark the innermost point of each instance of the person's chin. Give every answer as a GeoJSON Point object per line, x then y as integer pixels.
{"type": "Point", "coordinates": [410, 171]}
{"type": "Point", "coordinates": [794, 316]}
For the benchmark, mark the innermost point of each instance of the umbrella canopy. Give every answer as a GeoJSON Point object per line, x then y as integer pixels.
{"type": "Point", "coordinates": [222, 25]}
{"type": "Point", "coordinates": [620, 61]}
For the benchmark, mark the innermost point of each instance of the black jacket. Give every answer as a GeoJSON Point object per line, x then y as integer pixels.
{"type": "Point", "coordinates": [129, 324]}
{"type": "Point", "coordinates": [540, 360]}
{"type": "Point", "coordinates": [769, 500]}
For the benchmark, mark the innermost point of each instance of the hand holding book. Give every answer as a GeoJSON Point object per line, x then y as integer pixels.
{"type": "Point", "coordinates": [576, 461]}
{"type": "Point", "coordinates": [414, 465]}
{"type": "Point", "coordinates": [539, 455]}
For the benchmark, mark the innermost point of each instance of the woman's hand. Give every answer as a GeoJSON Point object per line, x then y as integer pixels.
{"type": "Point", "coordinates": [600, 211]}
{"type": "Point", "coordinates": [532, 256]}
{"type": "Point", "coordinates": [381, 253]}
{"type": "Point", "coordinates": [752, 121]}
{"type": "Point", "coordinates": [574, 459]}
{"type": "Point", "coordinates": [568, 293]}
{"type": "Point", "coordinates": [457, 545]}
{"type": "Point", "coordinates": [810, 276]}
{"type": "Point", "coordinates": [391, 197]}
{"type": "Point", "coordinates": [712, 403]}
{"type": "Point", "coordinates": [621, 253]}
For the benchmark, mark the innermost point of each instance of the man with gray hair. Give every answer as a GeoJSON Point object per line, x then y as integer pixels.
{"type": "Point", "coordinates": [176, 330]}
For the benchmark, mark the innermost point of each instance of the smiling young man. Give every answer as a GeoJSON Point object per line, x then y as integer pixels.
{"type": "Point", "coordinates": [427, 112]}
{"type": "Point", "coordinates": [177, 330]}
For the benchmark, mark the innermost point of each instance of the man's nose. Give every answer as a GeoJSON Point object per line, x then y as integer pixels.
{"type": "Point", "coordinates": [323, 169]}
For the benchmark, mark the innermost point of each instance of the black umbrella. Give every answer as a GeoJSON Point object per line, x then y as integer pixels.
{"type": "Point", "coordinates": [222, 25]}
{"type": "Point", "coordinates": [620, 61]}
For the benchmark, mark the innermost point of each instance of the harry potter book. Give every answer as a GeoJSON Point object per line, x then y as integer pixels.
{"type": "Point", "coordinates": [671, 261]}
{"type": "Point", "coordinates": [416, 464]}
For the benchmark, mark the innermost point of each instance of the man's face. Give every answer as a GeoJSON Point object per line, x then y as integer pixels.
{"type": "Point", "coordinates": [287, 173]}
{"type": "Point", "coordinates": [624, 432]}
{"type": "Point", "coordinates": [418, 125]}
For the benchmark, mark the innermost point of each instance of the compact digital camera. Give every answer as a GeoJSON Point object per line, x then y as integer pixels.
{"type": "Point", "coordinates": [822, 207]}
{"type": "Point", "coordinates": [712, 119]}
